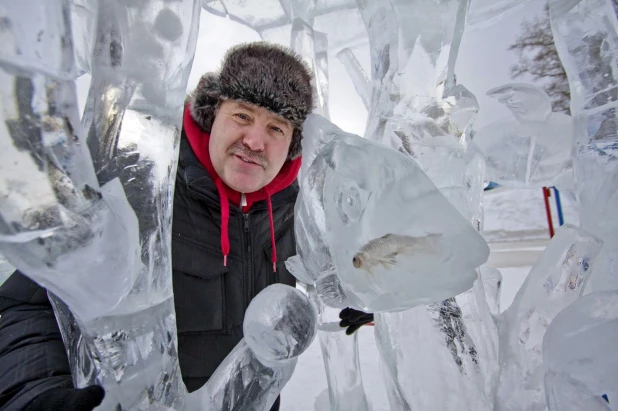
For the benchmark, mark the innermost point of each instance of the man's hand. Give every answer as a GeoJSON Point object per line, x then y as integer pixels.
{"type": "Point", "coordinates": [353, 319]}
{"type": "Point", "coordinates": [68, 399]}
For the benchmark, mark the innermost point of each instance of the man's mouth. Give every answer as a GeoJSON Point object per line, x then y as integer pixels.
{"type": "Point", "coordinates": [247, 160]}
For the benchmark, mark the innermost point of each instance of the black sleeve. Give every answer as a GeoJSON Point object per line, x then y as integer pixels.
{"type": "Point", "coordinates": [32, 355]}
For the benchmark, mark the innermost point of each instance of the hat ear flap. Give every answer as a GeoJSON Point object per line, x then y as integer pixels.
{"type": "Point", "coordinates": [203, 101]}
{"type": "Point", "coordinates": [296, 147]}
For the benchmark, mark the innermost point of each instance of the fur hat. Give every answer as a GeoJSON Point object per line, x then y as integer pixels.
{"type": "Point", "coordinates": [263, 74]}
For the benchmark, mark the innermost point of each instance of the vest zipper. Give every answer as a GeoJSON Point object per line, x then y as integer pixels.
{"type": "Point", "coordinates": [249, 259]}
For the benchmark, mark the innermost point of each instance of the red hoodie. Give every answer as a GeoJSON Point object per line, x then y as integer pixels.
{"type": "Point", "coordinates": [199, 141]}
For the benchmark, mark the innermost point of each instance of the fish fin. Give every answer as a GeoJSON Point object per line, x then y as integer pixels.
{"type": "Point", "coordinates": [385, 236]}
{"type": "Point", "coordinates": [388, 260]}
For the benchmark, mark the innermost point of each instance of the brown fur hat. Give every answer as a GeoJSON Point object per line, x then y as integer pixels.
{"type": "Point", "coordinates": [263, 74]}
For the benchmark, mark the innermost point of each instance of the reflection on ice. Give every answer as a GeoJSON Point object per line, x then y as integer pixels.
{"type": "Point", "coordinates": [386, 252]}
{"type": "Point", "coordinates": [533, 147]}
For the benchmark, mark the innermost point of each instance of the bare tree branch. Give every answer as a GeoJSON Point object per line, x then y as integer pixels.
{"type": "Point", "coordinates": [539, 59]}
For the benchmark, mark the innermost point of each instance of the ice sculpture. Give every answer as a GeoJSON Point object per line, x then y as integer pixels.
{"type": "Point", "coordinates": [92, 226]}
{"type": "Point", "coordinates": [485, 12]}
{"type": "Point", "coordinates": [579, 350]}
{"type": "Point", "coordinates": [380, 252]}
{"type": "Point", "coordinates": [565, 394]}
{"type": "Point", "coordinates": [585, 33]}
{"type": "Point", "coordinates": [492, 284]}
{"type": "Point", "coordinates": [556, 281]}
{"type": "Point", "coordinates": [279, 325]}
{"type": "Point", "coordinates": [455, 352]}
{"type": "Point", "coordinates": [533, 147]}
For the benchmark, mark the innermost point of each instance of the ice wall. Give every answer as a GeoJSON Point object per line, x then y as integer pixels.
{"type": "Point", "coordinates": [88, 204]}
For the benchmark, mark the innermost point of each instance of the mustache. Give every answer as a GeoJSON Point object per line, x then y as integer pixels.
{"type": "Point", "coordinates": [255, 156]}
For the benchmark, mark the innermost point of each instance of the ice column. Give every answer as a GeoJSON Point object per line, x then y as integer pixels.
{"type": "Point", "coordinates": [556, 281]}
{"type": "Point", "coordinates": [340, 352]}
{"type": "Point", "coordinates": [586, 36]}
{"type": "Point", "coordinates": [279, 325]}
{"type": "Point", "coordinates": [580, 356]}
{"type": "Point", "coordinates": [93, 226]}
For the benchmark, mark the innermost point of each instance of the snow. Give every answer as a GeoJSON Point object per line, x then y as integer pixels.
{"type": "Point", "coordinates": [519, 214]}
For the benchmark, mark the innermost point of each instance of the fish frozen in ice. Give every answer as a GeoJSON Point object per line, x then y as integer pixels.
{"type": "Point", "coordinates": [384, 250]}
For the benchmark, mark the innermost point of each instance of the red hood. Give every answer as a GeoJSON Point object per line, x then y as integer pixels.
{"type": "Point", "coordinates": [199, 141]}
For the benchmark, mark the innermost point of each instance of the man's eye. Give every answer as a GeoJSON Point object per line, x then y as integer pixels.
{"type": "Point", "coordinates": [277, 129]}
{"type": "Point", "coordinates": [242, 116]}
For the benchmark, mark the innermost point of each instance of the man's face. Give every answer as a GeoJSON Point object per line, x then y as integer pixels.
{"type": "Point", "coordinates": [248, 145]}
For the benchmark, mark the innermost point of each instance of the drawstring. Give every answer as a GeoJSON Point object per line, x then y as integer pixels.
{"type": "Point", "coordinates": [272, 231]}
{"type": "Point", "coordinates": [225, 218]}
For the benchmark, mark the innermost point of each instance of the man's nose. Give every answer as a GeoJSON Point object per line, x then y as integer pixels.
{"type": "Point", "coordinates": [254, 138]}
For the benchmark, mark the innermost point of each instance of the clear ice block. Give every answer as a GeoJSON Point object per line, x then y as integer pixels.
{"type": "Point", "coordinates": [533, 146]}
{"type": "Point", "coordinates": [375, 224]}
{"type": "Point", "coordinates": [580, 343]}
{"type": "Point", "coordinates": [557, 280]}
{"type": "Point", "coordinates": [280, 324]}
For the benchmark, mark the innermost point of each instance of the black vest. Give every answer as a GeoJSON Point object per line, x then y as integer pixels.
{"type": "Point", "coordinates": [211, 299]}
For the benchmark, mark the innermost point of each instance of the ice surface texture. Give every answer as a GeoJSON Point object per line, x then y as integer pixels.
{"type": "Point", "coordinates": [454, 351]}
{"type": "Point", "coordinates": [280, 324]}
{"type": "Point", "coordinates": [586, 33]}
{"type": "Point", "coordinates": [87, 206]}
{"type": "Point", "coordinates": [579, 349]}
{"type": "Point", "coordinates": [532, 147]}
{"type": "Point", "coordinates": [557, 280]}
{"type": "Point", "coordinates": [371, 205]}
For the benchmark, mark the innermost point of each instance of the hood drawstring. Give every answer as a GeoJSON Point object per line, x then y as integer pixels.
{"type": "Point", "coordinates": [272, 231]}
{"type": "Point", "coordinates": [225, 219]}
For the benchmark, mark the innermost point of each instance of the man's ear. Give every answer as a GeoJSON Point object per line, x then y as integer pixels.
{"type": "Point", "coordinates": [296, 148]}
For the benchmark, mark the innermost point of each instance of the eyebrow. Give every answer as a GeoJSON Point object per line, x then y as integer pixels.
{"type": "Point", "coordinates": [246, 106]}
{"type": "Point", "coordinates": [274, 118]}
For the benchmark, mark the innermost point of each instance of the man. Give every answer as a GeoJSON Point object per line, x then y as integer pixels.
{"type": "Point", "coordinates": [232, 229]}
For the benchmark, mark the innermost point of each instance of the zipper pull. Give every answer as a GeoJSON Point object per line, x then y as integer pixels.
{"type": "Point", "coordinates": [246, 218]}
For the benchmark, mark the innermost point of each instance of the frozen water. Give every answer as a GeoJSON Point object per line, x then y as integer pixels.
{"type": "Point", "coordinates": [280, 323]}
{"type": "Point", "coordinates": [341, 361]}
{"type": "Point", "coordinates": [375, 225]}
{"type": "Point", "coordinates": [54, 215]}
{"type": "Point", "coordinates": [557, 280]}
{"type": "Point", "coordinates": [435, 349]}
{"type": "Point", "coordinates": [565, 394]}
{"type": "Point", "coordinates": [89, 218]}
{"type": "Point", "coordinates": [241, 382]}
{"type": "Point", "coordinates": [533, 146]}
{"type": "Point", "coordinates": [414, 47]}
{"type": "Point", "coordinates": [492, 284]}
{"type": "Point", "coordinates": [585, 32]}
{"type": "Point", "coordinates": [312, 46]}
{"type": "Point", "coordinates": [580, 344]}
{"type": "Point", "coordinates": [357, 74]}
{"type": "Point", "coordinates": [135, 359]}
{"type": "Point", "coordinates": [485, 12]}
{"type": "Point", "coordinates": [83, 26]}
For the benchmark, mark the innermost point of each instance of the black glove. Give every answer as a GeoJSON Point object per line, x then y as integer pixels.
{"type": "Point", "coordinates": [353, 319]}
{"type": "Point", "coordinates": [68, 399]}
